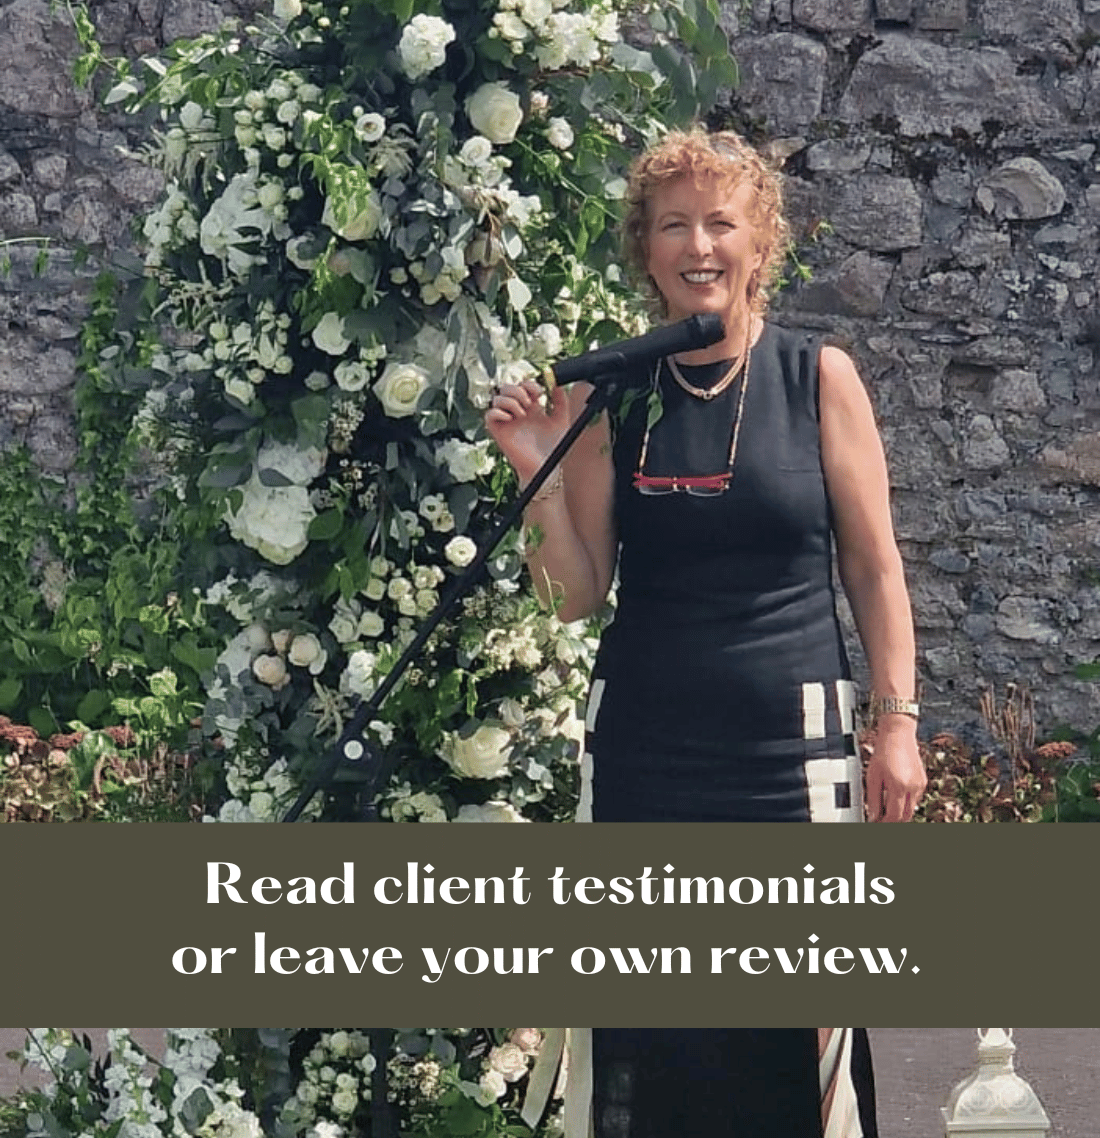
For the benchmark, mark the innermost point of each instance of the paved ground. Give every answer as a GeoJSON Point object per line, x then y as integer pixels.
{"type": "Point", "coordinates": [915, 1069]}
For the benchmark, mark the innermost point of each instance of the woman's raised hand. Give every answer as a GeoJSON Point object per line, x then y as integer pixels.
{"type": "Point", "coordinates": [526, 426]}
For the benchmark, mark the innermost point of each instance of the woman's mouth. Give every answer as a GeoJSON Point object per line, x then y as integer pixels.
{"type": "Point", "coordinates": [702, 276]}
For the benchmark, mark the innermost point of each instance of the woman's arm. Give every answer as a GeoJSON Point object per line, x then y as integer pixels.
{"type": "Point", "coordinates": [569, 525]}
{"type": "Point", "coordinates": [873, 578]}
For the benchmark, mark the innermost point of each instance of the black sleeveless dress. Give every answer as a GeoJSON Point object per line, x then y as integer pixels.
{"type": "Point", "coordinates": [721, 690]}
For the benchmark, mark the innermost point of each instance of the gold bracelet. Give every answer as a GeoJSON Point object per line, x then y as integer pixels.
{"type": "Point", "coordinates": [549, 488]}
{"type": "Point", "coordinates": [893, 705]}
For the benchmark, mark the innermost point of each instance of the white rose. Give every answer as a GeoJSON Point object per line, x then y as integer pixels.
{"type": "Point", "coordinates": [358, 677]}
{"type": "Point", "coordinates": [270, 670]}
{"type": "Point", "coordinates": [356, 226]}
{"type": "Point", "coordinates": [423, 45]}
{"type": "Point", "coordinates": [509, 1060]}
{"type": "Point", "coordinates": [476, 151]}
{"type": "Point", "coordinates": [345, 621]}
{"type": "Point", "coordinates": [460, 551]}
{"type": "Point", "coordinates": [495, 112]}
{"type": "Point", "coordinates": [329, 334]}
{"type": "Point", "coordinates": [306, 652]}
{"type": "Point", "coordinates": [338, 1043]}
{"type": "Point", "coordinates": [287, 9]}
{"type": "Point", "coordinates": [484, 754]}
{"type": "Point", "coordinates": [560, 134]}
{"type": "Point", "coordinates": [399, 389]}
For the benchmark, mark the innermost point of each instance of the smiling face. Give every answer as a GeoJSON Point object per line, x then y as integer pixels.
{"type": "Point", "coordinates": [702, 249]}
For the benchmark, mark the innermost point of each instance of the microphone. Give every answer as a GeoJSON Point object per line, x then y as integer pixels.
{"type": "Point", "coordinates": [637, 353]}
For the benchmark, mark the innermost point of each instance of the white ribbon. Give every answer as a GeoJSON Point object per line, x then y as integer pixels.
{"type": "Point", "coordinates": [573, 1047]}
{"type": "Point", "coordinates": [843, 1120]}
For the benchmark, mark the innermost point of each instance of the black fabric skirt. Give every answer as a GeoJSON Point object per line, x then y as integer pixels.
{"type": "Point", "coordinates": [717, 1083]}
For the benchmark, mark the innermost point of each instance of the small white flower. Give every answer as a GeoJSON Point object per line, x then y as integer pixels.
{"type": "Point", "coordinates": [287, 9]}
{"type": "Point", "coordinates": [495, 112]}
{"type": "Point", "coordinates": [560, 134]}
{"type": "Point", "coordinates": [370, 127]}
{"type": "Point", "coordinates": [460, 551]}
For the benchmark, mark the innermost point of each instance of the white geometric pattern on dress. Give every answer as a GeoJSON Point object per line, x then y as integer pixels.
{"type": "Point", "coordinates": [584, 802]}
{"type": "Point", "coordinates": [593, 709]}
{"type": "Point", "coordinates": [835, 790]}
{"type": "Point", "coordinates": [813, 711]}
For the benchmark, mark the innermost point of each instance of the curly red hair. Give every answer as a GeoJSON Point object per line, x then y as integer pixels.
{"type": "Point", "coordinates": [722, 158]}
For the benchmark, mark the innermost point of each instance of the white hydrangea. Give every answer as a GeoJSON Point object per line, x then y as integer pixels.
{"type": "Point", "coordinates": [273, 520]}
{"type": "Point", "coordinates": [423, 45]}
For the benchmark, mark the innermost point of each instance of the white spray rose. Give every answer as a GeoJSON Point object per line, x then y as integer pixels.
{"type": "Point", "coordinates": [270, 670]}
{"type": "Point", "coordinates": [527, 1039]}
{"type": "Point", "coordinates": [371, 624]}
{"type": "Point", "coordinates": [399, 389]}
{"type": "Point", "coordinates": [287, 9]}
{"type": "Point", "coordinates": [495, 112]}
{"type": "Point", "coordinates": [560, 134]}
{"type": "Point", "coordinates": [509, 1060]}
{"type": "Point", "coordinates": [491, 1086]}
{"type": "Point", "coordinates": [306, 652]}
{"type": "Point", "coordinates": [484, 754]}
{"type": "Point", "coordinates": [423, 45]}
{"type": "Point", "coordinates": [460, 551]}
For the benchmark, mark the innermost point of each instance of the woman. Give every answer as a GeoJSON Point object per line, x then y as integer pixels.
{"type": "Point", "coordinates": [721, 691]}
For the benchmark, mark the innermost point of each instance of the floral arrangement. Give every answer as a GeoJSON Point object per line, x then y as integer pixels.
{"type": "Point", "coordinates": [375, 211]}
{"type": "Point", "coordinates": [292, 1083]}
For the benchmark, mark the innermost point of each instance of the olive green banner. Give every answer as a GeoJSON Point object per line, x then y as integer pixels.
{"type": "Point", "coordinates": [622, 925]}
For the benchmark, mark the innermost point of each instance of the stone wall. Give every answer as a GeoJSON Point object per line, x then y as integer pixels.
{"type": "Point", "coordinates": [945, 156]}
{"type": "Point", "coordinates": [944, 180]}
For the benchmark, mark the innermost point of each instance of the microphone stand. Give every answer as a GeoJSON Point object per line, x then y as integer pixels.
{"type": "Point", "coordinates": [353, 749]}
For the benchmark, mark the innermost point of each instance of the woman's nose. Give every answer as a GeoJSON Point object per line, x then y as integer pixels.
{"type": "Point", "coordinates": [699, 239]}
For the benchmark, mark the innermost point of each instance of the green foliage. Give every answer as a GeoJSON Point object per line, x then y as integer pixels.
{"type": "Point", "coordinates": [372, 215]}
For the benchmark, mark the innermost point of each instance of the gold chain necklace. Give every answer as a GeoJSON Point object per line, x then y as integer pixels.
{"type": "Point", "coordinates": [706, 484]}
{"type": "Point", "coordinates": [705, 393]}
{"type": "Point", "coordinates": [716, 389]}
